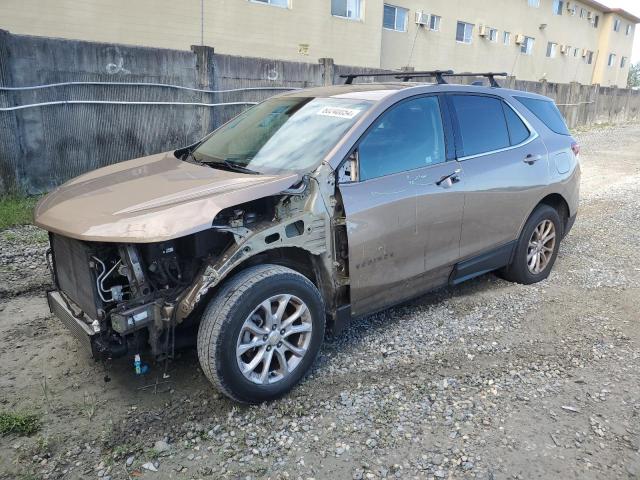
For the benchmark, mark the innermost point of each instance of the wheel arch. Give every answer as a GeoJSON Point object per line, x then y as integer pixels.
{"type": "Point", "coordinates": [556, 201]}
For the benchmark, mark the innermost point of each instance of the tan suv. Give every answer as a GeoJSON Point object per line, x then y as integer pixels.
{"type": "Point", "coordinates": [303, 211]}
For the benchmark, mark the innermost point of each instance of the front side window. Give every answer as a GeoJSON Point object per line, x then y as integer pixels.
{"type": "Point", "coordinates": [276, 3]}
{"type": "Point", "coordinates": [464, 32]}
{"type": "Point", "coordinates": [395, 18]}
{"type": "Point", "coordinates": [551, 49]}
{"type": "Point", "coordinates": [623, 62]}
{"type": "Point", "coordinates": [434, 22]}
{"type": "Point", "coordinates": [596, 21]}
{"type": "Point", "coordinates": [547, 113]}
{"type": "Point", "coordinates": [612, 59]}
{"type": "Point", "coordinates": [557, 7]}
{"type": "Point", "coordinates": [482, 124]}
{"type": "Point", "coordinates": [527, 46]}
{"type": "Point", "coordinates": [506, 38]}
{"type": "Point", "coordinates": [576, 51]}
{"type": "Point", "coordinates": [351, 9]}
{"type": "Point", "coordinates": [534, 3]}
{"type": "Point", "coordinates": [629, 29]}
{"type": "Point", "coordinates": [406, 137]}
{"type": "Point", "coordinates": [493, 35]}
{"type": "Point", "coordinates": [589, 57]}
{"type": "Point", "coordinates": [281, 134]}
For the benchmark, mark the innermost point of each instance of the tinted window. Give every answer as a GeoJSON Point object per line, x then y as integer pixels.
{"type": "Point", "coordinates": [405, 137]}
{"type": "Point", "coordinates": [518, 132]}
{"type": "Point", "coordinates": [547, 112]}
{"type": "Point", "coordinates": [481, 122]}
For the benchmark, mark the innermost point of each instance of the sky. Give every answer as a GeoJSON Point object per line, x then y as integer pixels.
{"type": "Point", "coordinates": [631, 6]}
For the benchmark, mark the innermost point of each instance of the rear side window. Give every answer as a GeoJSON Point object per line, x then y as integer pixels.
{"type": "Point", "coordinates": [481, 123]}
{"type": "Point", "coordinates": [518, 131]}
{"type": "Point", "coordinates": [547, 113]}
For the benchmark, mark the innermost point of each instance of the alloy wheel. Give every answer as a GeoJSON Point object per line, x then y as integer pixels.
{"type": "Point", "coordinates": [541, 246]}
{"type": "Point", "coordinates": [273, 339]}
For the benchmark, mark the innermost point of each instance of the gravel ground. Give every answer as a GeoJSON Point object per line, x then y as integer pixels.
{"type": "Point", "coordinates": [487, 380]}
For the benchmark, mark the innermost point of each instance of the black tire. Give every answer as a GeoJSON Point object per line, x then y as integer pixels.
{"type": "Point", "coordinates": [224, 317]}
{"type": "Point", "coordinates": [518, 270]}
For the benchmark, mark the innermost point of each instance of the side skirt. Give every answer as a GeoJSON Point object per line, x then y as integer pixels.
{"type": "Point", "coordinates": [483, 263]}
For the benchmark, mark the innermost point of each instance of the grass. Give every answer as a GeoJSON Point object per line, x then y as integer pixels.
{"type": "Point", "coordinates": [19, 423]}
{"type": "Point", "coordinates": [16, 210]}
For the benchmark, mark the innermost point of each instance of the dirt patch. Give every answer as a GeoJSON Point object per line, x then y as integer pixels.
{"type": "Point", "coordinates": [485, 380]}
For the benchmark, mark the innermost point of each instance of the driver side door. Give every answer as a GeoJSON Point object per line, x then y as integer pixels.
{"type": "Point", "coordinates": [403, 220]}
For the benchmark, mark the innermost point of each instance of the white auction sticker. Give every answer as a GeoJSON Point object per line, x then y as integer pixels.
{"type": "Point", "coordinates": [339, 112]}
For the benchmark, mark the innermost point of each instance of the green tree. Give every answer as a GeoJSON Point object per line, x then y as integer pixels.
{"type": "Point", "coordinates": [634, 75]}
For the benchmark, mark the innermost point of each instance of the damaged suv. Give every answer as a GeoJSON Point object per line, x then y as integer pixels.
{"type": "Point", "coordinates": [305, 210]}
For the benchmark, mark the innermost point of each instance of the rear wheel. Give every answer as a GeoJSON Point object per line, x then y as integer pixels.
{"type": "Point", "coordinates": [261, 333]}
{"type": "Point", "coordinates": [537, 247]}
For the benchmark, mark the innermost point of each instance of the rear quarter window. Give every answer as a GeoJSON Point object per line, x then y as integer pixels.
{"type": "Point", "coordinates": [547, 113]}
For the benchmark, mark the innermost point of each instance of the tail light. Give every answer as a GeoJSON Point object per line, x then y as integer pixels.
{"type": "Point", "coordinates": [576, 148]}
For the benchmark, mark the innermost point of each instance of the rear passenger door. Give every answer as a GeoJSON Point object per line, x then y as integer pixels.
{"type": "Point", "coordinates": [506, 170]}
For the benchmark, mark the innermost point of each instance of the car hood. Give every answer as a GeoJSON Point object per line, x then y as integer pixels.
{"type": "Point", "coordinates": [150, 199]}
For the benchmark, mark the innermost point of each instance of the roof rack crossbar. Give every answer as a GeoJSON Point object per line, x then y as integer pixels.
{"type": "Point", "coordinates": [490, 75]}
{"type": "Point", "coordinates": [405, 76]}
{"type": "Point", "coordinates": [438, 74]}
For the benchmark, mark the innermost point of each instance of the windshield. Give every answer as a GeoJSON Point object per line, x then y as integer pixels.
{"type": "Point", "coordinates": [282, 134]}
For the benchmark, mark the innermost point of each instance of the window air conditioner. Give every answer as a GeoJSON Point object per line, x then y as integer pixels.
{"type": "Point", "coordinates": [422, 18]}
{"type": "Point", "coordinates": [519, 39]}
{"type": "Point", "coordinates": [483, 31]}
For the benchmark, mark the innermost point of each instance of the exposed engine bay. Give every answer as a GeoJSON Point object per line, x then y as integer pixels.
{"type": "Point", "coordinates": [148, 295]}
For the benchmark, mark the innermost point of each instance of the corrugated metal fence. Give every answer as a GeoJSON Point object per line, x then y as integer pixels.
{"type": "Point", "coordinates": [43, 146]}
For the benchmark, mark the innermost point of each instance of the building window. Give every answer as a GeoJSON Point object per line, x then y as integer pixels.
{"type": "Point", "coordinates": [583, 13]}
{"type": "Point", "coordinates": [395, 18]}
{"type": "Point", "coordinates": [493, 35]}
{"type": "Point", "coordinates": [527, 46]}
{"type": "Point", "coordinates": [557, 7]}
{"type": "Point", "coordinates": [589, 57]}
{"type": "Point", "coordinates": [275, 3]}
{"type": "Point", "coordinates": [506, 38]}
{"type": "Point", "coordinates": [623, 62]}
{"type": "Point", "coordinates": [351, 9]}
{"type": "Point", "coordinates": [576, 51]}
{"type": "Point", "coordinates": [629, 29]}
{"type": "Point", "coordinates": [434, 22]}
{"type": "Point", "coordinates": [534, 3]}
{"type": "Point", "coordinates": [612, 60]}
{"type": "Point", "coordinates": [616, 25]}
{"type": "Point", "coordinates": [464, 32]}
{"type": "Point", "coordinates": [596, 21]}
{"type": "Point", "coordinates": [551, 49]}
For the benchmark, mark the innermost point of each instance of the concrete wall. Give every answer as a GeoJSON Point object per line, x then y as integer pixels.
{"type": "Point", "coordinates": [307, 31]}
{"type": "Point", "coordinates": [44, 146]}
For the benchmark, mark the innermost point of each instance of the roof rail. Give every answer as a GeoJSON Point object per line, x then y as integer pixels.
{"type": "Point", "coordinates": [405, 76]}
{"type": "Point", "coordinates": [490, 75]}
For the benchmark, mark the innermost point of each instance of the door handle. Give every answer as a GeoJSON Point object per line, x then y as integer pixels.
{"type": "Point", "coordinates": [531, 159]}
{"type": "Point", "coordinates": [453, 177]}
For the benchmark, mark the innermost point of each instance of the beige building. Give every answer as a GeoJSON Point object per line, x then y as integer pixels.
{"type": "Point", "coordinates": [559, 40]}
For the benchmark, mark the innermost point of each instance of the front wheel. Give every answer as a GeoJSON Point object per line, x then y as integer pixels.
{"type": "Point", "coordinates": [537, 247]}
{"type": "Point", "coordinates": [261, 333]}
